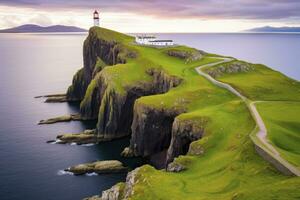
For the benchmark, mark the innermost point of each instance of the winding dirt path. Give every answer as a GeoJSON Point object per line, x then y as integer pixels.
{"type": "Point", "coordinates": [263, 147]}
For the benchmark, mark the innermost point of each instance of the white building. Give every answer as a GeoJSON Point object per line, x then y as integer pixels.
{"type": "Point", "coordinates": [151, 40]}
{"type": "Point", "coordinates": [145, 39]}
{"type": "Point", "coordinates": [96, 18]}
{"type": "Point", "coordinates": [162, 42]}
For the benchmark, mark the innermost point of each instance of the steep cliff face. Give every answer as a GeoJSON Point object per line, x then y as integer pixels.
{"type": "Point", "coordinates": [110, 52]}
{"type": "Point", "coordinates": [79, 84]}
{"type": "Point", "coordinates": [89, 107]}
{"type": "Point", "coordinates": [116, 108]}
{"type": "Point", "coordinates": [151, 129]}
{"type": "Point", "coordinates": [118, 112]}
{"type": "Point", "coordinates": [183, 133]}
{"type": "Point", "coordinates": [115, 114]}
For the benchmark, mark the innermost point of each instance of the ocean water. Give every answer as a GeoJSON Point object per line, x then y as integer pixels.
{"type": "Point", "coordinates": [32, 65]}
{"type": "Point", "coordinates": [37, 64]}
{"type": "Point", "coordinates": [280, 51]}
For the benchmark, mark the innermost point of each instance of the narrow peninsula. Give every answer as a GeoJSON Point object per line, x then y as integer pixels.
{"type": "Point", "coordinates": [176, 104]}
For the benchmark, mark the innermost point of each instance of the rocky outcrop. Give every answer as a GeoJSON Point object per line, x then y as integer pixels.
{"type": "Point", "coordinates": [86, 137]}
{"type": "Point", "coordinates": [96, 50]}
{"type": "Point", "coordinates": [79, 85]}
{"type": "Point", "coordinates": [116, 109]}
{"type": "Point", "coordinates": [50, 95]}
{"type": "Point", "coordinates": [127, 152]}
{"type": "Point", "coordinates": [151, 129]}
{"type": "Point", "coordinates": [89, 107]}
{"type": "Point", "coordinates": [122, 191]}
{"type": "Point", "coordinates": [175, 167]}
{"type": "Point", "coordinates": [162, 82]}
{"type": "Point", "coordinates": [99, 167]}
{"type": "Point", "coordinates": [96, 197]}
{"type": "Point", "coordinates": [115, 114]}
{"type": "Point", "coordinates": [229, 68]}
{"type": "Point", "coordinates": [187, 55]}
{"type": "Point", "coordinates": [60, 99]}
{"type": "Point", "coordinates": [184, 131]}
{"type": "Point", "coordinates": [65, 118]}
{"type": "Point", "coordinates": [114, 193]}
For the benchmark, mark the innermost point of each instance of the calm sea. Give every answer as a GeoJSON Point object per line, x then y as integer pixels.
{"type": "Point", "coordinates": [280, 51]}
{"type": "Point", "coordinates": [36, 64]}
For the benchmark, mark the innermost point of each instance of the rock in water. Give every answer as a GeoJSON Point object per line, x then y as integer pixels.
{"type": "Point", "coordinates": [96, 197]}
{"type": "Point", "coordinates": [127, 153]}
{"type": "Point", "coordinates": [66, 118]}
{"type": "Point", "coordinates": [59, 99]}
{"type": "Point", "coordinates": [86, 137]}
{"type": "Point", "coordinates": [99, 167]}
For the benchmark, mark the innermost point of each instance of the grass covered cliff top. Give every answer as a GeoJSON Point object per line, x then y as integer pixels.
{"type": "Point", "coordinates": [228, 166]}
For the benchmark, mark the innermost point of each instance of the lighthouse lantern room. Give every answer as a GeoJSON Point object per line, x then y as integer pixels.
{"type": "Point", "coordinates": [96, 18]}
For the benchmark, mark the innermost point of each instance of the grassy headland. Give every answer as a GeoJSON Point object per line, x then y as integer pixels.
{"type": "Point", "coordinates": [222, 164]}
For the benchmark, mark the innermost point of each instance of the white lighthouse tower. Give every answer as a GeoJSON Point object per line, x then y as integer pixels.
{"type": "Point", "coordinates": [96, 18]}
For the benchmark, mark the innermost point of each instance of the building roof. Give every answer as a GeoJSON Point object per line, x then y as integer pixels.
{"type": "Point", "coordinates": [146, 37]}
{"type": "Point", "coordinates": [161, 41]}
{"type": "Point", "coordinates": [96, 12]}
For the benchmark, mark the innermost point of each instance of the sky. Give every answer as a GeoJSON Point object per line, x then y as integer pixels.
{"type": "Point", "coordinates": [153, 15]}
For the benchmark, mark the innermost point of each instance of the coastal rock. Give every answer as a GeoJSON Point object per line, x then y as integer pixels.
{"type": "Point", "coordinates": [89, 107]}
{"type": "Point", "coordinates": [197, 147]}
{"type": "Point", "coordinates": [96, 197]}
{"type": "Point", "coordinates": [65, 118]}
{"type": "Point", "coordinates": [86, 137]}
{"type": "Point", "coordinates": [50, 95]}
{"type": "Point", "coordinates": [188, 56]}
{"type": "Point", "coordinates": [175, 167]}
{"type": "Point", "coordinates": [127, 152]}
{"type": "Point", "coordinates": [229, 68]}
{"type": "Point", "coordinates": [151, 129]}
{"type": "Point", "coordinates": [122, 191]}
{"type": "Point", "coordinates": [79, 85]}
{"type": "Point", "coordinates": [184, 131]}
{"type": "Point", "coordinates": [116, 109]}
{"type": "Point", "coordinates": [95, 48]}
{"type": "Point", "coordinates": [57, 99]}
{"type": "Point", "coordinates": [99, 167]}
{"type": "Point", "coordinates": [114, 193]}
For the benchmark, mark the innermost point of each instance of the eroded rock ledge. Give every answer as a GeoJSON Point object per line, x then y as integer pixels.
{"type": "Point", "coordinates": [97, 52]}
{"type": "Point", "coordinates": [54, 98]}
{"type": "Point", "coordinates": [120, 190]}
{"type": "Point", "coordinates": [184, 132]}
{"type": "Point", "coordinates": [151, 129]}
{"type": "Point", "coordinates": [99, 167]}
{"type": "Point", "coordinates": [114, 109]}
{"type": "Point", "coordinates": [229, 68]}
{"type": "Point", "coordinates": [86, 137]}
{"type": "Point", "coordinates": [65, 118]}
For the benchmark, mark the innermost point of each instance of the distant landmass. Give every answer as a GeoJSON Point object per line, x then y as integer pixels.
{"type": "Point", "coordinates": [275, 29]}
{"type": "Point", "coordinates": [32, 28]}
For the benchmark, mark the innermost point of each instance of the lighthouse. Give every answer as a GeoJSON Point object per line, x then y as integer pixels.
{"type": "Point", "coordinates": [96, 18]}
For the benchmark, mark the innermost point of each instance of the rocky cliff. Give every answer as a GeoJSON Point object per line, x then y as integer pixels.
{"type": "Point", "coordinates": [184, 132]}
{"type": "Point", "coordinates": [95, 50]}
{"type": "Point", "coordinates": [155, 95]}
{"type": "Point", "coordinates": [115, 106]}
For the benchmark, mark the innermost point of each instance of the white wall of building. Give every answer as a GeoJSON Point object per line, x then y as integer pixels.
{"type": "Point", "coordinates": [96, 22]}
{"type": "Point", "coordinates": [151, 40]}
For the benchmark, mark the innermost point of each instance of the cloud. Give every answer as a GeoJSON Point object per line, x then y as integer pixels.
{"type": "Point", "coordinates": [41, 19]}
{"type": "Point", "coordinates": [204, 9]}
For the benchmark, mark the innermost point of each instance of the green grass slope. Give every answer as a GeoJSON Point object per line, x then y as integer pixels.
{"type": "Point", "coordinates": [283, 124]}
{"type": "Point", "coordinates": [229, 167]}
{"type": "Point", "coordinates": [279, 108]}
